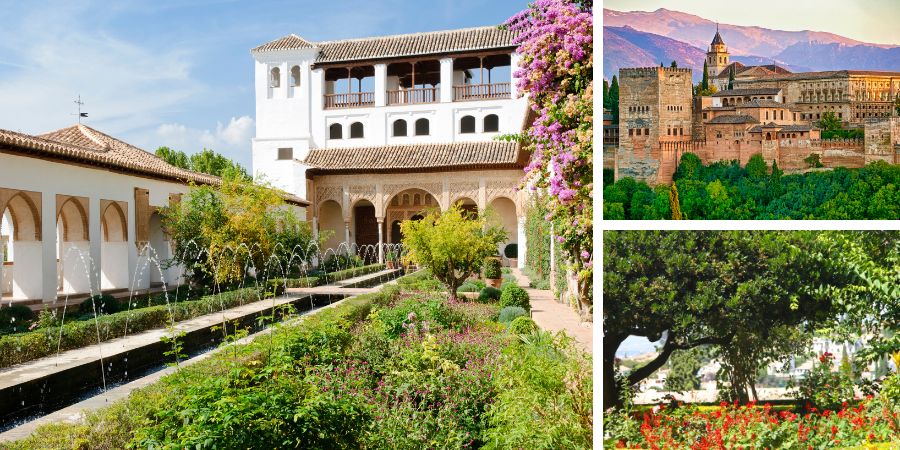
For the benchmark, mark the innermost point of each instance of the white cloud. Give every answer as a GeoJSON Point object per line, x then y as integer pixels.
{"type": "Point", "coordinates": [231, 139]}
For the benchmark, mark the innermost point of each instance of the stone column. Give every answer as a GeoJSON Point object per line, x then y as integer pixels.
{"type": "Point", "coordinates": [48, 247]}
{"type": "Point", "coordinates": [347, 235]}
{"type": "Point", "coordinates": [315, 227]}
{"type": "Point", "coordinates": [380, 240]}
{"type": "Point", "coordinates": [446, 80]}
{"type": "Point", "coordinates": [522, 242]}
{"type": "Point", "coordinates": [95, 239]}
{"type": "Point", "coordinates": [380, 84]}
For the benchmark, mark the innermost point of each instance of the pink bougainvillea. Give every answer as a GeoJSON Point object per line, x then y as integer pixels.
{"type": "Point", "coordinates": [555, 41]}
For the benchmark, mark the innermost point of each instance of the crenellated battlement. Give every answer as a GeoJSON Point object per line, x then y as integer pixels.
{"type": "Point", "coordinates": [837, 143]}
{"type": "Point", "coordinates": [638, 72]}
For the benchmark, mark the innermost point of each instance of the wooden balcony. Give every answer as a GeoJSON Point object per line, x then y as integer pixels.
{"type": "Point", "coordinates": [352, 100]}
{"type": "Point", "coordinates": [481, 91]}
{"type": "Point", "coordinates": [413, 96]}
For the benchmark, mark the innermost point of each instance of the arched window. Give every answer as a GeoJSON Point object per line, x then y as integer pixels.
{"type": "Point", "coordinates": [399, 127]}
{"type": "Point", "coordinates": [275, 77]}
{"type": "Point", "coordinates": [356, 130]}
{"type": "Point", "coordinates": [295, 76]}
{"type": "Point", "coordinates": [335, 131]}
{"type": "Point", "coordinates": [422, 127]}
{"type": "Point", "coordinates": [491, 123]}
{"type": "Point", "coordinates": [467, 124]}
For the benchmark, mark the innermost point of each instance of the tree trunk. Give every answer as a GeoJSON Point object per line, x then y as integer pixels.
{"type": "Point", "coordinates": [612, 397]}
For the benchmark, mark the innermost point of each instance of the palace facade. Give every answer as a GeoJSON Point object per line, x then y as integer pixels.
{"type": "Point", "coordinates": [374, 131]}
{"type": "Point", "coordinates": [768, 111]}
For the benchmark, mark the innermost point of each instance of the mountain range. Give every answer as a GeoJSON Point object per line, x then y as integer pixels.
{"type": "Point", "coordinates": [641, 39]}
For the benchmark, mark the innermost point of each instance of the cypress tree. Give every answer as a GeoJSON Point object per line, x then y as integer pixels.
{"type": "Point", "coordinates": [731, 78]}
{"type": "Point", "coordinates": [674, 65]}
{"type": "Point", "coordinates": [704, 85]}
{"type": "Point", "coordinates": [614, 99]}
{"type": "Point", "coordinates": [675, 203]}
{"type": "Point", "coordinates": [605, 94]}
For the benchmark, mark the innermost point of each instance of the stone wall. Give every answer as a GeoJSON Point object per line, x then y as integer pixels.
{"type": "Point", "coordinates": [881, 138]}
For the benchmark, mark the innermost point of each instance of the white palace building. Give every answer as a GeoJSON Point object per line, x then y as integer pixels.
{"type": "Point", "coordinates": [372, 131]}
{"type": "Point", "coordinates": [361, 133]}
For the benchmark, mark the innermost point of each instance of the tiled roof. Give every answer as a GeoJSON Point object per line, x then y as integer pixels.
{"type": "Point", "coordinates": [434, 42]}
{"type": "Point", "coordinates": [762, 103]}
{"type": "Point", "coordinates": [733, 118]}
{"type": "Point", "coordinates": [83, 144]}
{"type": "Point", "coordinates": [821, 75]}
{"type": "Point", "coordinates": [736, 92]}
{"type": "Point", "coordinates": [769, 69]}
{"type": "Point", "coordinates": [389, 158]}
{"type": "Point", "coordinates": [288, 42]}
{"type": "Point", "coordinates": [759, 128]}
{"type": "Point", "coordinates": [717, 39]}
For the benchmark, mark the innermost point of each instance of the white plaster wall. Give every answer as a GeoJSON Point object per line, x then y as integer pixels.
{"type": "Point", "coordinates": [52, 178]}
{"type": "Point", "coordinates": [26, 274]}
{"type": "Point", "coordinates": [113, 274]}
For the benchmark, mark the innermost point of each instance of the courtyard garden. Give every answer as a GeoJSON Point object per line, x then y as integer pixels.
{"type": "Point", "coordinates": [753, 300]}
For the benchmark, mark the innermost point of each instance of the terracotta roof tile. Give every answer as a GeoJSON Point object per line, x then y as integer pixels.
{"type": "Point", "coordinates": [733, 118]}
{"type": "Point", "coordinates": [415, 157]}
{"type": "Point", "coordinates": [83, 144]}
{"type": "Point", "coordinates": [434, 42]}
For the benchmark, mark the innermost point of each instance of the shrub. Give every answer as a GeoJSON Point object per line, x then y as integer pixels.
{"type": "Point", "coordinates": [489, 295]}
{"type": "Point", "coordinates": [890, 388]}
{"type": "Point", "coordinates": [510, 313]}
{"type": "Point", "coordinates": [824, 388]}
{"type": "Point", "coordinates": [522, 325]}
{"type": "Point", "coordinates": [15, 313]}
{"type": "Point", "coordinates": [513, 295]}
{"type": "Point", "coordinates": [102, 304]}
{"type": "Point", "coordinates": [492, 268]}
{"type": "Point", "coordinates": [468, 286]}
{"type": "Point", "coordinates": [511, 251]}
{"type": "Point", "coordinates": [340, 261]}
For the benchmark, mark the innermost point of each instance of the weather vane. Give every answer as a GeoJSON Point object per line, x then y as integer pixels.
{"type": "Point", "coordinates": [80, 114]}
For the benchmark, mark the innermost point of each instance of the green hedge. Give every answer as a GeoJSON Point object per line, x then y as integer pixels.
{"type": "Point", "coordinates": [24, 347]}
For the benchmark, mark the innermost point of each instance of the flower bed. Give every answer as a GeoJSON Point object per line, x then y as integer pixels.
{"type": "Point", "coordinates": [400, 368]}
{"type": "Point", "coordinates": [871, 421]}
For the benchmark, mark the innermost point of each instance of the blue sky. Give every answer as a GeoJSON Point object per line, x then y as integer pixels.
{"type": "Point", "coordinates": [179, 73]}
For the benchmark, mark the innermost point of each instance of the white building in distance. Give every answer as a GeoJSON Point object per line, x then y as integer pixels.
{"type": "Point", "coordinates": [373, 131]}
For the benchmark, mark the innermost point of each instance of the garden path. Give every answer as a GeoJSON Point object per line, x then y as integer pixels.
{"type": "Point", "coordinates": [554, 316]}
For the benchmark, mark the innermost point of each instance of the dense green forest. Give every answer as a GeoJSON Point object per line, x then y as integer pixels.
{"type": "Point", "coordinates": [725, 190]}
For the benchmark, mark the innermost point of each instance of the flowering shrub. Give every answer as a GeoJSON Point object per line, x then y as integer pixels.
{"type": "Point", "coordinates": [555, 41]}
{"type": "Point", "coordinates": [752, 426]}
{"type": "Point", "coordinates": [824, 388]}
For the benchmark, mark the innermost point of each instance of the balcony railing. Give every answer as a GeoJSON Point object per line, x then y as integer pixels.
{"type": "Point", "coordinates": [481, 91]}
{"type": "Point", "coordinates": [352, 100]}
{"type": "Point", "coordinates": [413, 96]}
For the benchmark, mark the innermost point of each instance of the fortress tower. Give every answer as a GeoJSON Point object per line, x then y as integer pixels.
{"type": "Point", "coordinates": [717, 56]}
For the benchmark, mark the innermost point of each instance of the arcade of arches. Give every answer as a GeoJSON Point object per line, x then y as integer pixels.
{"type": "Point", "coordinates": [81, 244]}
{"type": "Point", "coordinates": [363, 211]}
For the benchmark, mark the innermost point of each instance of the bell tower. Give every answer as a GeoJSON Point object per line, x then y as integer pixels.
{"type": "Point", "coordinates": [717, 56]}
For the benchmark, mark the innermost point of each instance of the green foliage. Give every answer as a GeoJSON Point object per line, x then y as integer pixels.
{"type": "Point", "coordinates": [829, 121]}
{"type": "Point", "coordinates": [451, 244]}
{"type": "Point", "coordinates": [510, 313]}
{"type": "Point", "coordinates": [843, 134]}
{"type": "Point", "coordinates": [42, 342]}
{"type": "Point", "coordinates": [725, 190]}
{"type": "Point", "coordinates": [731, 78]}
{"type": "Point", "coordinates": [704, 83]}
{"type": "Point", "coordinates": [683, 367]}
{"type": "Point", "coordinates": [674, 65]}
{"type": "Point", "coordinates": [511, 250]}
{"type": "Point", "coordinates": [614, 99]}
{"type": "Point", "coordinates": [890, 388]}
{"type": "Point", "coordinates": [823, 387]}
{"type": "Point", "coordinates": [102, 304]}
{"type": "Point", "coordinates": [174, 157]}
{"type": "Point", "coordinates": [732, 289]}
{"type": "Point", "coordinates": [522, 325]}
{"type": "Point", "coordinates": [544, 396]}
{"type": "Point", "coordinates": [340, 261]}
{"type": "Point", "coordinates": [15, 313]}
{"type": "Point", "coordinates": [492, 268]}
{"type": "Point", "coordinates": [223, 232]}
{"type": "Point", "coordinates": [513, 295]}
{"type": "Point", "coordinates": [489, 294]}
{"type": "Point", "coordinates": [537, 238]}
{"type": "Point", "coordinates": [469, 286]}
{"type": "Point", "coordinates": [212, 163]}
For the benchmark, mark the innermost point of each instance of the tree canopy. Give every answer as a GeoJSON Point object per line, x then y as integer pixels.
{"type": "Point", "coordinates": [207, 161]}
{"type": "Point", "coordinates": [732, 289]}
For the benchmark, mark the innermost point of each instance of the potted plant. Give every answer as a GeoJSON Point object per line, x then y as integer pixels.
{"type": "Point", "coordinates": [511, 252]}
{"type": "Point", "coordinates": [493, 274]}
{"type": "Point", "coordinates": [389, 259]}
